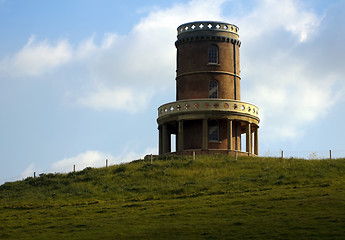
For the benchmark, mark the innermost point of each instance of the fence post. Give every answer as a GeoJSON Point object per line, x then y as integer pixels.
{"type": "Point", "coordinates": [106, 162]}
{"type": "Point", "coordinates": [193, 155]}
{"type": "Point", "coordinates": [151, 158]}
{"type": "Point", "coordinates": [282, 154]}
{"type": "Point", "coordinates": [330, 154]}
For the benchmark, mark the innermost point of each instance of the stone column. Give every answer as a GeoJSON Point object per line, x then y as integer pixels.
{"type": "Point", "coordinates": [237, 137]}
{"type": "Point", "coordinates": [169, 141]}
{"type": "Point", "coordinates": [204, 134]}
{"type": "Point", "coordinates": [160, 140]}
{"type": "Point", "coordinates": [230, 135]}
{"type": "Point", "coordinates": [248, 138]}
{"type": "Point", "coordinates": [180, 136]}
{"type": "Point", "coordinates": [166, 139]}
{"type": "Point", "coordinates": [256, 141]}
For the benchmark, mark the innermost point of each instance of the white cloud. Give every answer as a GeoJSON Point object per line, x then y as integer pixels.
{"type": "Point", "coordinates": [283, 63]}
{"type": "Point", "coordinates": [97, 159]}
{"type": "Point", "coordinates": [89, 158]}
{"type": "Point", "coordinates": [126, 99]}
{"type": "Point", "coordinates": [89, 49]}
{"type": "Point", "coordinates": [82, 160]}
{"type": "Point", "coordinates": [29, 171]}
{"type": "Point", "coordinates": [270, 15]}
{"type": "Point", "coordinates": [121, 72]}
{"type": "Point", "coordinates": [36, 58]}
{"type": "Point", "coordinates": [284, 60]}
{"type": "Point", "coordinates": [127, 70]}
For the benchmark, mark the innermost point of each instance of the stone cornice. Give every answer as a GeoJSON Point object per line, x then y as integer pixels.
{"type": "Point", "coordinates": [207, 38]}
{"type": "Point", "coordinates": [198, 72]}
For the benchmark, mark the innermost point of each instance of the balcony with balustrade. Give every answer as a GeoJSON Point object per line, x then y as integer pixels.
{"type": "Point", "coordinates": [223, 108]}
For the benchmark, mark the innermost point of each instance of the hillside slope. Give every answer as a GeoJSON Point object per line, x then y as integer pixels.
{"type": "Point", "coordinates": [213, 197]}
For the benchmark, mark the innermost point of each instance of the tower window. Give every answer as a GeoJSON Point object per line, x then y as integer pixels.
{"type": "Point", "coordinates": [213, 130]}
{"type": "Point", "coordinates": [213, 89]}
{"type": "Point", "coordinates": [213, 54]}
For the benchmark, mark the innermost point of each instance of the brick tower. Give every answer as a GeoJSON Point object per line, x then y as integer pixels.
{"type": "Point", "coordinates": [208, 116]}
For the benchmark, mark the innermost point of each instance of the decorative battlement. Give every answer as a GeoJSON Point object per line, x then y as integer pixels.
{"type": "Point", "coordinates": [207, 26]}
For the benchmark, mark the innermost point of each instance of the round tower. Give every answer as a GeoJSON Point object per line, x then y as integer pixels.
{"type": "Point", "coordinates": [208, 116]}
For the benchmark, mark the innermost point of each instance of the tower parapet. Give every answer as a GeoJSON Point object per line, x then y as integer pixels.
{"type": "Point", "coordinates": [220, 27]}
{"type": "Point", "coordinates": [207, 30]}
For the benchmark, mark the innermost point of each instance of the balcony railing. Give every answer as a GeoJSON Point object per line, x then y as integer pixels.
{"type": "Point", "coordinates": [204, 105]}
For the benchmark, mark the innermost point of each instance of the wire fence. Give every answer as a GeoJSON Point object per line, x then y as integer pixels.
{"type": "Point", "coordinates": [304, 154]}
{"type": "Point", "coordinates": [301, 154]}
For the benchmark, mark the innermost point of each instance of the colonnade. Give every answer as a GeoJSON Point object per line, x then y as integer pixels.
{"type": "Point", "coordinates": [252, 137]}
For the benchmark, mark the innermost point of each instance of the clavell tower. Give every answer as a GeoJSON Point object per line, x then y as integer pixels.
{"type": "Point", "coordinates": [208, 116]}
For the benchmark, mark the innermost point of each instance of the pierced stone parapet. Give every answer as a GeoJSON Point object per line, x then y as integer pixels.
{"type": "Point", "coordinates": [209, 105]}
{"type": "Point", "coordinates": [207, 26]}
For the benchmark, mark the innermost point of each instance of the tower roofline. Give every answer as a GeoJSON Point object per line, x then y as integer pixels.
{"type": "Point", "coordinates": [207, 26]}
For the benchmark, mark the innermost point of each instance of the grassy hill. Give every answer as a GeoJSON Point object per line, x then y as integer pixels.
{"type": "Point", "coordinates": [213, 197]}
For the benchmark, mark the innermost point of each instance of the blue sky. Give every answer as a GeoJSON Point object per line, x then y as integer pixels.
{"type": "Point", "coordinates": [81, 81]}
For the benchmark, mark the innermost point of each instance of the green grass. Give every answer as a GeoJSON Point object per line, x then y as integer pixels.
{"type": "Point", "coordinates": [213, 197]}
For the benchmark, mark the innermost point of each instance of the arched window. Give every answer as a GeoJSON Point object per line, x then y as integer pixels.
{"type": "Point", "coordinates": [213, 130]}
{"type": "Point", "coordinates": [213, 89]}
{"type": "Point", "coordinates": [213, 54]}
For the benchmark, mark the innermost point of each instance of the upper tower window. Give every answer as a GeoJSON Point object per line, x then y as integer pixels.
{"type": "Point", "coordinates": [213, 89]}
{"type": "Point", "coordinates": [213, 54]}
